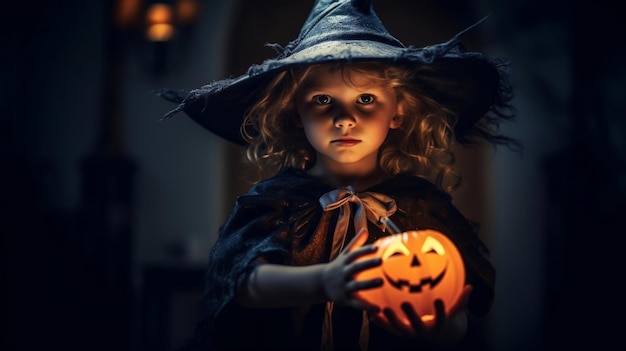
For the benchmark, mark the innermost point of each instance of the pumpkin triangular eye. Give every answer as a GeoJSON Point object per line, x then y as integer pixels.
{"type": "Point", "coordinates": [396, 249]}
{"type": "Point", "coordinates": [432, 245]}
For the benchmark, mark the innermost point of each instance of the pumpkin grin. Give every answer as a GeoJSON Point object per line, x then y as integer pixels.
{"type": "Point", "coordinates": [415, 288]}
{"type": "Point", "coordinates": [419, 267]}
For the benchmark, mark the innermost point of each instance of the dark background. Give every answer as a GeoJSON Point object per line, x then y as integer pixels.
{"type": "Point", "coordinates": [107, 214]}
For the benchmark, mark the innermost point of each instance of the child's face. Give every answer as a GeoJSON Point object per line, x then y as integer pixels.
{"type": "Point", "coordinates": [346, 120]}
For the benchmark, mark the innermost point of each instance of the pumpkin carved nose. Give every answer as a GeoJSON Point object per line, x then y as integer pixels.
{"type": "Point", "coordinates": [415, 262]}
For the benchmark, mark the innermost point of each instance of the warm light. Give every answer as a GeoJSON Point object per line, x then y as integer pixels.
{"type": "Point", "coordinates": [160, 32]}
{"type": "Point", "coordinates": [159, 21]}
{"type": "Point", "coordinates": [127, 12]}
{"type": "Point", "coordinates": [159, 13]}
{"type": "Point", "coordinates": [187, 11]}
{"type": "Point", "coordinates": [419, 267]}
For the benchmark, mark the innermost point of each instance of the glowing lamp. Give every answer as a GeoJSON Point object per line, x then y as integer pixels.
{"type": "Point", "coordinates": [187, 11]}
{"type": "Point", "coordinates": [418, 267]}
{"type": "Point", "coordinates": [159, 19]}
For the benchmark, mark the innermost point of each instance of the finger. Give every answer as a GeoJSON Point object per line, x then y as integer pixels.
{"type": "Point", "coordinates": [355, 285]}
{"type": "Point", "coordinates": [395, 322]}
{"type": "Point", "coordinates": [379, 320]}
{"type": "Point", "coordinates": [440, 314]}
{"type": "Point", "coordinates": [361, 251]}
{"type": "Point", "coordinates": [372, 310]}
{"type": "Point", "coordinates": [360, 266]}
{"type": "Point", "coordinates": [359, 239]}
{"type": "Point", "coordinates": [416, 322]}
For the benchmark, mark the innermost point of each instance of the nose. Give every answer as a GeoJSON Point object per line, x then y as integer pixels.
{"type": "Point", "coordinates": [415, 262]}
{"type": "Point", "coordinates": [344, 121]}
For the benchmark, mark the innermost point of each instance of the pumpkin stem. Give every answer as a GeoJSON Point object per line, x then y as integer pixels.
{"type": "Point", "coordinates": [393, 228]}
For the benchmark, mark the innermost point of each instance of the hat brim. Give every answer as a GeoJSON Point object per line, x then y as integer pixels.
{"type": "Point", "coordinates": [471, 82]}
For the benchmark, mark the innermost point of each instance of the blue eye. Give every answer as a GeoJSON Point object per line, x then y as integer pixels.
{"type": "Point", "coordinates": [322, 99]}
{"type": "Point", "coordinates": [365, 99]}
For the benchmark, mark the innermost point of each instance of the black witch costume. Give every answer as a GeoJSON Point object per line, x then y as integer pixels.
{"type": "Point", "coordinates": [282, 220]}
{"type": "Point", "coordinates": [297, 220]}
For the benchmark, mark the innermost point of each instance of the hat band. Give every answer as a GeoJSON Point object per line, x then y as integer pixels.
{"type": "Point", "coordinates": [343, 36]}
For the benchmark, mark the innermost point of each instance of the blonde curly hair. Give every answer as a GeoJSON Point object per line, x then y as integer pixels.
{"type": "Point", "coordinates": [421, 146]}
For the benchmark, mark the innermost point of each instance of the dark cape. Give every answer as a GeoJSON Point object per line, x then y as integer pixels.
{"type": "Point", "coordinates": [280, 220]}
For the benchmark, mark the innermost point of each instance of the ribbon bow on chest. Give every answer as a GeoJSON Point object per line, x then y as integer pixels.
{"type": "Point", "coordinates": [375, 207]}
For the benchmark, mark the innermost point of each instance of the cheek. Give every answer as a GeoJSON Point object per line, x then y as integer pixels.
{"type": "Point", "coordinates": [381, 127]}
{"type": "Point", "coordinates": [313, 122]}
{"type": "Point", "coordinates": [314, 131]}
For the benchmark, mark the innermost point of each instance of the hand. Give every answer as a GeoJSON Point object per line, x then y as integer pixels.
{"type": "Point", "coordinates": [337, 276]}
{"type": "Point", "coordinates": [444, 329]}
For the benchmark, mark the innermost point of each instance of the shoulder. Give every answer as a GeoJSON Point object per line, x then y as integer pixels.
{"type": "Point", "coordinates": [288, 186]}
{"type": "Point", "coordinates": [405, 185]}
{"type": "Point", "coordinates": [289, 180]}
{"type": "Point", "coordinates": [421, 202]}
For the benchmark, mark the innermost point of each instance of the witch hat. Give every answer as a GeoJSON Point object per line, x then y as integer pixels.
{"type": "Point", "coordinates": [471, 84]}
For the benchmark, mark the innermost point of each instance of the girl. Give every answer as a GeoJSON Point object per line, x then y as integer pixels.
{"type": "Point", "coordinates": [351, 124]}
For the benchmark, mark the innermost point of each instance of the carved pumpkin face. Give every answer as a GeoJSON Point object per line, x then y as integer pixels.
{"type": "Point", "coordinates": [418, 267]}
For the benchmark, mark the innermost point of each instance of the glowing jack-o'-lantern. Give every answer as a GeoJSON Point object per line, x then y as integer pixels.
{"type": "Point", "coordinates": [418, 267]}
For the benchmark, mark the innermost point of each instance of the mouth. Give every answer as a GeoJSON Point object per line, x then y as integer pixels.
{"type": "Point", "coordinates": [345, 142]}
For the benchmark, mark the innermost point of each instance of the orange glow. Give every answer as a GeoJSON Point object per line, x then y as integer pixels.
{"type": "Point", "coordinates": [187, 11]}
{"type": "Point", "coordinates": [160, 32]}
{"type": "Point", "coordinates": [127, 12]}
{"type": "Point", "coordinates": [159, 19]}
{"type": "Point", "coordinates": [418, 267]}
{"type": "Point", "coordinates": [159, 13]}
